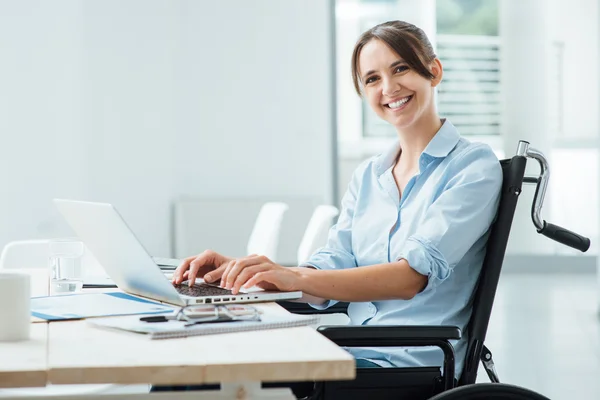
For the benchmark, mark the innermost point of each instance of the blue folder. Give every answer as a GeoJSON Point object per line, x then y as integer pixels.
{"type": "Point", "coordinates": [86, 305]}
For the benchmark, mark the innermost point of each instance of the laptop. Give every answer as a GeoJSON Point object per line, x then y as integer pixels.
{"type": "Point", "coordinates": [128, 264]}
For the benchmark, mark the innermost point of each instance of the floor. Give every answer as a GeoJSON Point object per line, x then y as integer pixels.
{"type": "Point", "coordinates": [544, 334]}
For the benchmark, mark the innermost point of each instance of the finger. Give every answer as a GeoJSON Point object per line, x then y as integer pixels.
{"type": "Point", "coordinates": [265, 276]}
{"type": "Point", "coordinates": [195, 266]}
{"type": "Point", "coordinates": [228, 267]}
{"type": "Point", "coordinates": [216, 274]}
{"type": "Point", "coordinates": [246, 274]}
{"type": "Point", "coordinates": [238, 266]}
{"type": "Point", "coordinates": [178, 273]}
{"type": "Point", "coordinates": [226, 275]}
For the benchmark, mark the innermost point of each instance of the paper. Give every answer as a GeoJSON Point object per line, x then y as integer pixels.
{"type": "Point", "coordinates": [76, 306]}
{"type": "Point", "coordinates": [175, 329]}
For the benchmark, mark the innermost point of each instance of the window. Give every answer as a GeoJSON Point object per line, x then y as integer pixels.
{"type": "Point", "coordinates": [467, 17]}
{"type": "Point", "coordinates": [466, 42]}
{"type": "Point", "coordinates": [470, 92]}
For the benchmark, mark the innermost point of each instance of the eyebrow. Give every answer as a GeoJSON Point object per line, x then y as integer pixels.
{"type": "Point", "coordinates": [392, 65]}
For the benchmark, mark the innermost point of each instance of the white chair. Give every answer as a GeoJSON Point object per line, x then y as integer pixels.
{"type": "Point", "coordinates": [267, 227]}
{"type": "Point", "coordinates": [25, 254]}
{"type": "Point", "coordinates": [316, 231]}
{"type": "Point", "coordinates": [34, 254]}
{"type": "Point", "coordinates": [315, 237]}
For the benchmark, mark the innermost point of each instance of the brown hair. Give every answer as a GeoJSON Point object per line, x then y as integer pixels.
{"type": "Point", "coordinates": [407, 40]}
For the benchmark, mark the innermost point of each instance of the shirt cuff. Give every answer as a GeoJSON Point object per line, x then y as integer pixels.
{"type": "Point", "coordinates": [328, 303]}
{"type": "Point", "coordinates": [426, 259]}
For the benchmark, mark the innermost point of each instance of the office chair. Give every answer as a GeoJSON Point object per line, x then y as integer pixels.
{"type": "Point", "coordinates": [264, 238]}
{"type": "Point", "coordinates": [34, 253]}
{"type": "Point", "coordinates": [316, 231]}
{"type": "Point", "coordinates": [425, 382]}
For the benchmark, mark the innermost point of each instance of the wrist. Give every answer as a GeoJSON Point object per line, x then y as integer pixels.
{"type": "Point", "coordinates": [304, 278]}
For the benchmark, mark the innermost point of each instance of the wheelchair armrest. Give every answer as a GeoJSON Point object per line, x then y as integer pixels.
{"type": "Point", "coordinates": [303, 308]}
{"type": "Point", "coordinates": [389, 335]}
{"type": "Point", "coordinates": [394, 335]}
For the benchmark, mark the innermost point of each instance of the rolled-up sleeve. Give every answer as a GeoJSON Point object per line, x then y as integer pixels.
{"type": "Point", "coordinates": [458, 218]}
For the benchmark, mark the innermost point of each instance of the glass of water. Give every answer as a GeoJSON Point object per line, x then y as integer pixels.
{"type": "Point", "coordinates": [66, 273]}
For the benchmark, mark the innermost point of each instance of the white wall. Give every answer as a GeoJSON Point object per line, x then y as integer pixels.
{"type": "Point", "coordinates": [139, 102]}
{"type": "Point", "coordinates": [575, 25]}
{"type": "Point", "coordinates": [550, 59]}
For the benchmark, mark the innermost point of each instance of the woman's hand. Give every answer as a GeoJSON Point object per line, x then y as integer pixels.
{"type": "Point", "coordinates": [259, 271]}
{"type": "Point", "coordinates": [208, 265]}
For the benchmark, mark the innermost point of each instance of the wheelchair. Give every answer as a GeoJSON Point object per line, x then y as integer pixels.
{"type": "Point", "coordinates": [431, 382]}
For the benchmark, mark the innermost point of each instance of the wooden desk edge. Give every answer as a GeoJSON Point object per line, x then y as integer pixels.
{"type": "Point", "coordinates": [187, 375]}
{"type": "Point", "coordinates": [19, 379]}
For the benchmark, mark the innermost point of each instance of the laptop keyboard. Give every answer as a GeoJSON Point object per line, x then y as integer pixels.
{"type": "Point", "coordinates": [201, 290]}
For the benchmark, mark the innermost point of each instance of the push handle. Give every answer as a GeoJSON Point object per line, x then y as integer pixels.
{"type": "Point", "coordinates": [565, 236]}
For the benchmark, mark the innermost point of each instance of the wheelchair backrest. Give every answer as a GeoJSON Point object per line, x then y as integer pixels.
{"type": "Point", "coordinates": [513, 172]}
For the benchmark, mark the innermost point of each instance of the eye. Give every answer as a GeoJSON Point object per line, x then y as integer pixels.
{"type": "Point", "coordinates": [371, 79]}
{"type": "Point", "coordinates": [400, 68]}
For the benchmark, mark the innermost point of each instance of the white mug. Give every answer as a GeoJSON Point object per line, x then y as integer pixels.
{"type": "Point", "coordinates": [15, 309]}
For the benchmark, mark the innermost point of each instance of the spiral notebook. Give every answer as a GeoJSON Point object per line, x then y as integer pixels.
{"type": "Point", "coordinates": [177, 329]}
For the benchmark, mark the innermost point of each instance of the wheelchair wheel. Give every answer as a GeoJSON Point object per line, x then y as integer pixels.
{"type": "Point", "coordinates": [489, 391]}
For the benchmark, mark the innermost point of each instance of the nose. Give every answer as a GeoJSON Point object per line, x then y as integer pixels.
{"type": "Point", "coordinates": [390, 87]}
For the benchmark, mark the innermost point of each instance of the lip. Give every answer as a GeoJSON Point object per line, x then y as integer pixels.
{"type": "Point", "coordinates": [396, 99]}
{"type": "Point", "coordinates": [402, 107]}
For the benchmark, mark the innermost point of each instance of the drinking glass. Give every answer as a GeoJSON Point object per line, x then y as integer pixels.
{"type": "Point", "coordinates": [66, 274]}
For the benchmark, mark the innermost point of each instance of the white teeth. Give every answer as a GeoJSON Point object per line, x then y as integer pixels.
{"type": "Point", "coordinates": [399, 103]}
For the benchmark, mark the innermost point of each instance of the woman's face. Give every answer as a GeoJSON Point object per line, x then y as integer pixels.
{"type": "Point", "coordinates": [396, 93]}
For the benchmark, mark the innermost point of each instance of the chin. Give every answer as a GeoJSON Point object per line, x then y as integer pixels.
{"type": "Point", "coordinates": [402, 123]}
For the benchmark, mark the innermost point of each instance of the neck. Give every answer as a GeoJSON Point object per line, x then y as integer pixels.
{"type": "Point", "coordinates": [414, 139]}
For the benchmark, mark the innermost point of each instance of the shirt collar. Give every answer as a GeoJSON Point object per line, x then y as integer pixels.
{"type": "Point", "coordinates": [444, 141]}
{"type": "Point", "coordinates": [440, 146]}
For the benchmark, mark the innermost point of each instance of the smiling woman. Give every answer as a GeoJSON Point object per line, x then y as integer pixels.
{"type": "Point", "coordinates": [395, 68]}
{"type": "Point", "coordinates": [408, 42]}
{"type": "Point", "coordinates": [410, 240]}
{"type": "Point", "coordinates": [411, 236]}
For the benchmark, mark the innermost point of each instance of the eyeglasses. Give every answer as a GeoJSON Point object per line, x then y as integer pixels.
{"type": "Point", "coordinates": [203, 313]}
{"type": "Point", "coordinates": [197, 314]}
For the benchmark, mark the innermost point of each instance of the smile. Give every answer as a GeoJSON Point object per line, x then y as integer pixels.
{"type": "Point", "coordinates": [399, 103]}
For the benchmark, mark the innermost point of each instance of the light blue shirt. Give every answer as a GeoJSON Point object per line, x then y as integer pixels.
{"type": "Point", "coordinates": [440, 226]}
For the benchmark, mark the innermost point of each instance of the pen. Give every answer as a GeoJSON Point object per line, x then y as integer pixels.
{"type": "Point", "coordinates": [154, 318]}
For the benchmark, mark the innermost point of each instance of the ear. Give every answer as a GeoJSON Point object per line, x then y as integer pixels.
{"type": "Point", "coordinates": [438, 71]}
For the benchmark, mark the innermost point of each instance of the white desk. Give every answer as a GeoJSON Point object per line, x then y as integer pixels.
{"type": "Point", "coordinates": [72, 352]}
{"type": "Point", "coordinates": [25, 363]}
